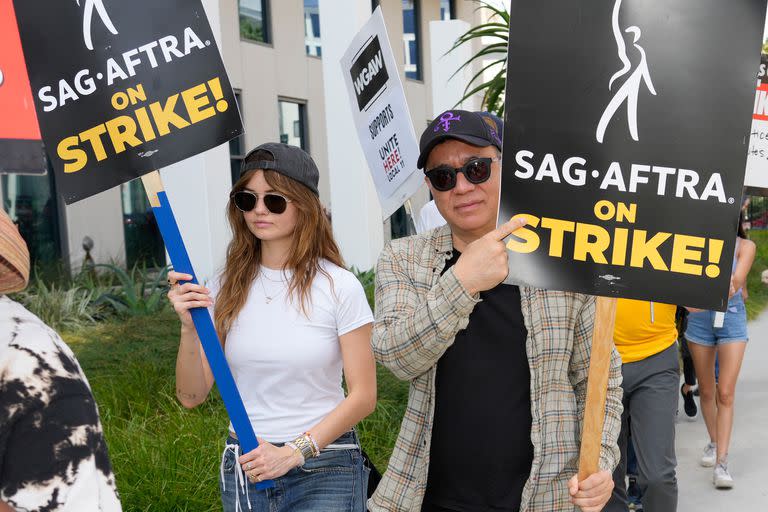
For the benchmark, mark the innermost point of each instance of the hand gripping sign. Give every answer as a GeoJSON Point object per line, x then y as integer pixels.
{"type": "Point", "coordinates": [118, 97]}
{"type": "Point", "coordinates": [381, 114]}
{"type": "Point", "coordinates": [626, 154]}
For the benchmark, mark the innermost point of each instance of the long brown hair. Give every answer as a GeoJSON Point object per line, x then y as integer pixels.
{"type": "Point", "coordinates": [312, 241]}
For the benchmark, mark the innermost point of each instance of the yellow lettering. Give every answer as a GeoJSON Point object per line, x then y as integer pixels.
{"type": "Point", "coordinates": [165, 115]}
{"type": "Point", "coordinates": [530, 240]}
{"type": "Point", "coordinates": [583, 246]}
{"type": "Point", "coordinates": [93, 135]}
{"type": "Point", "coordinates": [195, 99]}
{"type": "Point", "coordinates": [557, 229]}
{"type": "Point", "coordinates": [681, 254]}
{"type": "Point", "coordinates": [643, 249]}
{"type": "Point", "coordinates": [122, 131]}
{"type": "Point", "coordinates": [68, 150]}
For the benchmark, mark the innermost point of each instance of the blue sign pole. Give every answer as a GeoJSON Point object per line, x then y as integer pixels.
{"type": "Point", "coordinates": [202, 318]}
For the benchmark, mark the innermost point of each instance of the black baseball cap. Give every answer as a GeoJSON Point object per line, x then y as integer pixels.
{"type": "Point", "coordinates": [476, 128]}
{"type": "Point", "coordinates": [290, 161]}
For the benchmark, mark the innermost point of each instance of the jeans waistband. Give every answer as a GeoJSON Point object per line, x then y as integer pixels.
{"type": "Point", "coordinates": [346, 441]}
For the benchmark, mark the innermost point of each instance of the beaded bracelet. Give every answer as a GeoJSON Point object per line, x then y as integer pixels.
{"type": "Point", "coordinates": [314, 443]}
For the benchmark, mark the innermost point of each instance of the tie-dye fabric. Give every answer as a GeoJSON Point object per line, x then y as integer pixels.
{"type": "Point", "coordinates": [52, 451]}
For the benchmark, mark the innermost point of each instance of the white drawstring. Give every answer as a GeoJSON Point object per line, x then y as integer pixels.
{"type": "Point", "coordinates": [240, 478]}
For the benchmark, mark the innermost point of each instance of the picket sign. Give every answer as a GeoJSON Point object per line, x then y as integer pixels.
{"type": "Point", "coordinates": [169, 229]}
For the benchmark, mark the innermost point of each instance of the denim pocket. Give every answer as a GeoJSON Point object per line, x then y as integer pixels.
{"type": "Point", "coordinates": [339, 461]}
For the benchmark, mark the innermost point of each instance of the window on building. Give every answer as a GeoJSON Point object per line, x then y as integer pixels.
{"type": "Point", "coordinates": [254, 20]}
{"type": "Point", "coordinates": [31, 203]}
{"type": "Point", "coordinates": [447, 10]}
{"type": "Point", "coordinates": [312, 28]}
{"type": "Point", "coordinates": [143, 242]}
{"type": "Point", "coordinates": [293, 129]}
{"type": "Point", "coordinates": [237, 146]}
{"type": "Point", "coordinates": [412, 39]}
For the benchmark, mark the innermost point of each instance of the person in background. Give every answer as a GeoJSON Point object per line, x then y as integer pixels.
{"type": "Point", "coordinates": [293, 320]}
{"type": "Point", "coordinates": [726, 346]}
{"type": "Point", "coordinates": [645, 334]}
{"type": "Point", "coordinates": [429, 218]}
{"type": "Point", "coordinates": [52, 451]}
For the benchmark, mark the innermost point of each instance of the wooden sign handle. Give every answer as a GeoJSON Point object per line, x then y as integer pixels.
{"type": "Point", "coordinates": [597, 387]}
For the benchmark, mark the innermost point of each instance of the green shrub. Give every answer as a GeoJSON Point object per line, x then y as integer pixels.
{"type": "Point", "coordinates": [138, 293]}
{"type": "Point", "coordinates": [61, 307]}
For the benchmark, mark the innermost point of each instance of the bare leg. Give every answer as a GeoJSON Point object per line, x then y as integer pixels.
{"type": "Point", "coordinates": [730, 355]}
{"type": "Point", "coordinates": [704, 362]}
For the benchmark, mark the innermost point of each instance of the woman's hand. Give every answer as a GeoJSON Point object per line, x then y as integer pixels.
{"type": "Point", "coordinates": [187, 296]}
{"type": "Point", "coordinates": [268, 461]}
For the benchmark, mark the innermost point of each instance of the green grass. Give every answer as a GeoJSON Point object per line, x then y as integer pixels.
{"type": "Point", "coordinates": [758, 292]}
{"type": "Point", "coordinates": [165, 457]}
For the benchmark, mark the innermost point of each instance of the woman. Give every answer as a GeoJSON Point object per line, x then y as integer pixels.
{"type": "Point", "coordinates": [291, 318]}
{"type": "Point", "coordinates": [727, 344]}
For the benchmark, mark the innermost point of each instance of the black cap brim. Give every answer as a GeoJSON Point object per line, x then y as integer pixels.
{"type": "Point", "coordinates": [469, 139]}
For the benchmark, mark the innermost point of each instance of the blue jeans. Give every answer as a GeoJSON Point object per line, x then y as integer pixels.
{"type": "Point", "coordinates": [334, 481]}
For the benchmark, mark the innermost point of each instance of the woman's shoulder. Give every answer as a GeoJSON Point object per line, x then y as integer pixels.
{"type": "Point", "coordinates": [340, 276]}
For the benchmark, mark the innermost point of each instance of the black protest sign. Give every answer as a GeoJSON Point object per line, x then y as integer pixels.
{"type": "Point", "coordinates": [123, 88]}
{"type": "Point", "coordinates": [625, 144]}
{"type": "Point", "coordinates": [369, 73]}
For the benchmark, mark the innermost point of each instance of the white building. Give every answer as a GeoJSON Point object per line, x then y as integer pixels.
{"type": "Point", "coordinates": [282, 58]}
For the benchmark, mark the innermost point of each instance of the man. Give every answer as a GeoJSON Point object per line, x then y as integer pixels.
{"type": "Point", "coordinates": [52, 451]}
{"type": "Point", "coordinates": [497, 372]}
{"type": "Point", "coordinates": [645, 335]}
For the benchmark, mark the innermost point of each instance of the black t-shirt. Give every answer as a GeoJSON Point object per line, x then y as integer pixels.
{"type": "Point", "coordinates": [481, 451]}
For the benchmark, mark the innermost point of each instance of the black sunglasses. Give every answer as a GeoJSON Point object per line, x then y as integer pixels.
{"type": "Point", "coordinates": [477, 170]}
{"type": "Point", "coordinates": [245, 201]}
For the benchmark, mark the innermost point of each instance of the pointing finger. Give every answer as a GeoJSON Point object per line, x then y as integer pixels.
{"type": "Point", "coordinates": [506, 229]}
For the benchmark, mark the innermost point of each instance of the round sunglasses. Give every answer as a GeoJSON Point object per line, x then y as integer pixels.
{"type": "Point", "coordinates": [245, 201]}
{"type": "Point", "coordinates": [477, 170]}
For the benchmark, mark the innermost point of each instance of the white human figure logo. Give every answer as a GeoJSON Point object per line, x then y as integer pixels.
{"type": "Point", "coordinates": [89, 6]}
{"type": "Point", "coordinates": [630, 89]}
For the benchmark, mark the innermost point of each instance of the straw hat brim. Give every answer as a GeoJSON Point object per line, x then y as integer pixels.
{"type": "Point", "coordinates": [14, 257]}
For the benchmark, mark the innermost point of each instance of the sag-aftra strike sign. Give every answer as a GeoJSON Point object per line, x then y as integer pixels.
{"type": "Point", "coordinates": [627, 128]}
{"type": "Point", "coordinates": [123, 87]}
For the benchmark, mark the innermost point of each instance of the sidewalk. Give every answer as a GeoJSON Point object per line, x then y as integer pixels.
{"type": "Point", "coordinates": [749, 444]}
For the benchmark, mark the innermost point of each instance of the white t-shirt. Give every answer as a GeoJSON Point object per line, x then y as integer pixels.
{"type": "Point", "coordinates": [429, 218]}
{"type": "Point", "coordinates": [288, 365]}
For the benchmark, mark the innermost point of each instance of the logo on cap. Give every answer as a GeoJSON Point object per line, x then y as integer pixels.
{"type": "Point", "coordinates": [369, 73]}
{"type": "Point", "coordinates": [446, 120]}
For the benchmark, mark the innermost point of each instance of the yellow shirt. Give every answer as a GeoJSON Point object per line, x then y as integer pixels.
{"type": "Point", "coordinates": [636, 337]}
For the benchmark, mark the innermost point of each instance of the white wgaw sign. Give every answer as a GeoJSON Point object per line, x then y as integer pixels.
{"type": "Point", "coordinates": [381, 114]}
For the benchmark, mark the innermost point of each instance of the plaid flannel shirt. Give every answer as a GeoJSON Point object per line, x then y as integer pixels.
{"type": "Point", "coordinates": [419, 312]}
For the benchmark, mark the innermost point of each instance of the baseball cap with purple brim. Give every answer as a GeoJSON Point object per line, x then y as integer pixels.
{"type": "Point", "coordinates": [476, 128]}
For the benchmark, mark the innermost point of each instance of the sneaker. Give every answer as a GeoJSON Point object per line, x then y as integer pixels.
{"type": "Point", "coordinates": [709, 456]}
{"type": "Point", "coordinates": [722, 478]}
{"type": "Point", "coordinates": [689, 404]}
{"type": "Point", "coordinates": [634, 498]}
